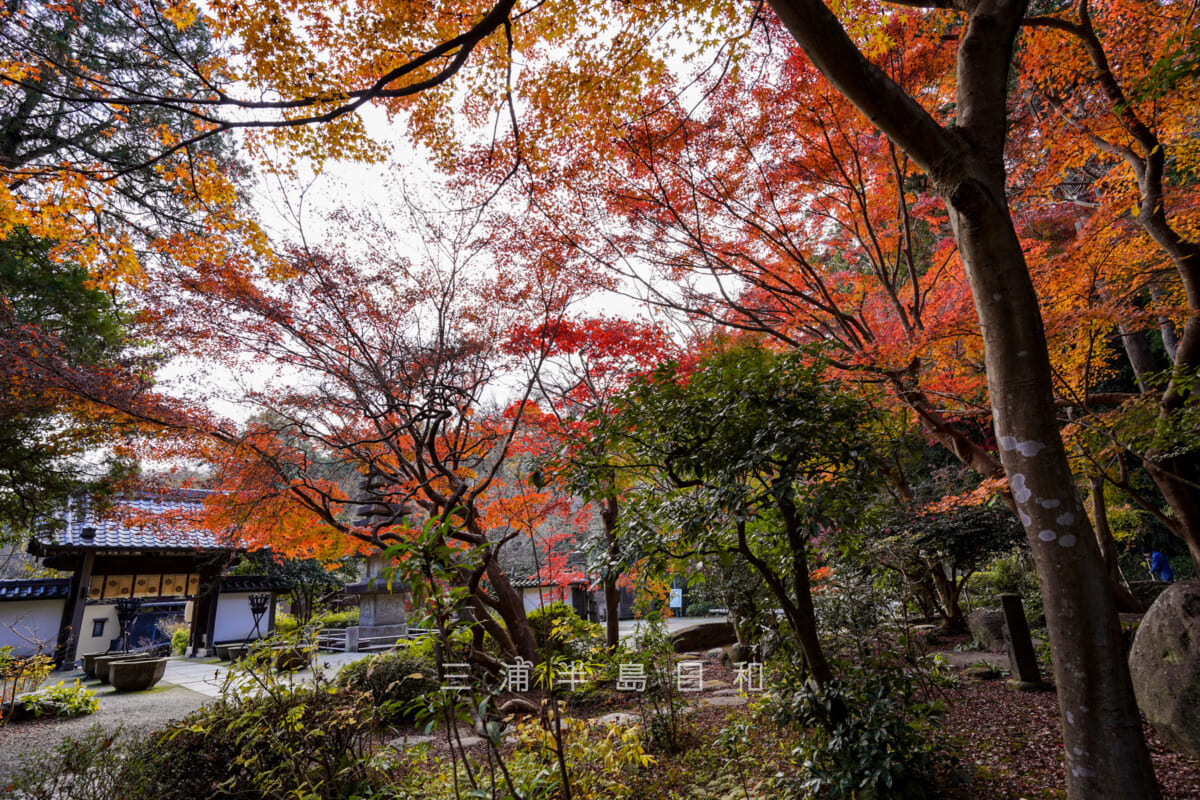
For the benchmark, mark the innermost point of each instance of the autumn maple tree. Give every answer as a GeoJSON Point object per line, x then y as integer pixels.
{"type": "Point", "coordinates": [1115, 83]}
{"type": "Point", "coordinates": [587, 361]}
{"type": "Point", "coordinates": [786, 214]}
{"type": "Point", "coordinates": [306, 63]}
{"type": "Point", "coordinates": [74, 172]}
{"type": "Point", "coordinates": [378, 430]}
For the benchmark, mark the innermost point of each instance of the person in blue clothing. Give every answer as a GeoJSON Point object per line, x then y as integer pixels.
{"type": "Point", "coordinates": [1160, 567]}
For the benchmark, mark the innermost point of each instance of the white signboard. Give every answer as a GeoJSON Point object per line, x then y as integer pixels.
{"type": "Point", "coordinates": [677, 598]}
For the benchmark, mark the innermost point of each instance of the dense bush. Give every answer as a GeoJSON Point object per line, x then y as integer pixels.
{"type": "Point", "coordinates": [393, 680]}
{"type": "Point", "coordinates": [336, 619]}
{"type": "Point", "coordinates": [93, 767]}
{"type": "Point", "coordinates": [1011, 574]}
{"type": "Point", "coordinates": [560, 631]}
{"type": "Point", "coordinates": [298, 742]}
{"type": "Point", "coordinates": [264, 740]}
{"type": "Point", "coordinates": [287, 625]}
{"type": "Point", "coordinates": [870, 735]}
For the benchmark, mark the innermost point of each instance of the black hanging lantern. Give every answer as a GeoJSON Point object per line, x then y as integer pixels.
{"type": "Point", "coordinates": [127, 611]}
{"type": "Point", "coordinates": [258, 607]}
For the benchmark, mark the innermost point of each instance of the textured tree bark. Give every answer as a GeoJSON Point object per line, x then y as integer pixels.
{"type": "Point", "coordinates": [1104, 538]}
{"type": "Point", "coordinates": [512, 611]}
{"type": "Point", "coordinates": [1105, 750]}
{"type": "Point", "coordinates": [1137, 350]}
{"type": "Point", "coordinates": [612, 595]}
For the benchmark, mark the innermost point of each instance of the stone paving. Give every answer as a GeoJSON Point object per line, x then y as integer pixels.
{"type": "Point", "coordinates": [209, 677]}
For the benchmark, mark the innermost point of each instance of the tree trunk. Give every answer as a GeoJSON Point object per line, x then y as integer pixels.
{"type": "Point", "coordinates": [1108, 551]}
{"type": "Point", "coordinates": [1105, 750]}
{"type": "Point", "coordinates": [1166, 328]}
{"type": "Point", "coordinates": [804, 620]}
{"type": "Point", "coordinates": [796, 600]}
{"type": "Point", "coordinates": [512, 611]}
{"type": "Point", "coordinates": [948, 591]}
{"type": "Point", "coordinates": [612, 595]}
{"type": "Point", "coordinates": [1104, 537]}
{"type": "Point", "coordinates": [1137, 350]}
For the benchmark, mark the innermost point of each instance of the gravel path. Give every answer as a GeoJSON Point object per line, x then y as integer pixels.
{"type": "Point", "coordinates": [26, 742]}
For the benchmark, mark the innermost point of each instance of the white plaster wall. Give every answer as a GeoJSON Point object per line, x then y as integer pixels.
{"type": "Point", "coordinates": [234, 620]}
{"type": "Point", "coordinates": [535, 598]}
{"type": "Point", "coordinates": [97, 644]}
{"type": "Point", "coordinates": [25, 623]}
{"type": "Point", "coordinates": [532, 601]}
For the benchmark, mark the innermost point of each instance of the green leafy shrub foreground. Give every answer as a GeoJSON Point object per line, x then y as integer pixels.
{"type": "Point", "coordinates": [311, 742]}
{"type": "Point", "coordinates": [561, 632]}
{"type": "Point", "coordinates": [61, 700]}
{"type": "Point", "coordinates": [866, 736]}
{"type": "Point", "coordinates": [396, 682]}
{"type": "Point", "coordinates": [869, 735]}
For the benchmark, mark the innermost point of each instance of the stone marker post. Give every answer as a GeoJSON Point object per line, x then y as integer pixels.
{"type": "Point", "coordinates": [1021, 658]}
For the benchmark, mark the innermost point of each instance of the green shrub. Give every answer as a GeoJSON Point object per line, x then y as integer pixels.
{"type": "Point", "coordinates": [93, 767]}
{"type": "Point", "coordinates": [266, 739]}
{"type": "Point", "coordinates": [61, 700]}
{"type": "Point", "coordinates": [698, 610]}
{"type": "Point", "coordinates": [179, 641]}
{"type": "Point", "coordinates": [336, 619]}
{"type": "Point", "coordinates": [393, 681]}
{"type": "Point", "coordinates": [870, 735]}
{"type": "Point", "coordinates": [559, 631]}
{"type": "Point", "coordinates": [298, 741]}
{"type": "Point", "coordinates": [599, 761]}
{"type": "Point", "coordinates": [663, 708]}
{"type": "Point", "coordinates": [286, 624]}
{"type": "Point", "coordinates": [1013, 574]}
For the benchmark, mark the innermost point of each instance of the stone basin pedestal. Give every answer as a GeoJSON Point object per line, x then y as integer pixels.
{"type": "Point", "coordinates": [102, 662]}
{"type": "Point", "coordinates": [88, 663]}
{"type": "Point", "coordinates": [137, 674]}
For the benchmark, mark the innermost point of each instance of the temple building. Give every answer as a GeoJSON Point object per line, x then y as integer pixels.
{"type": "Point", "coordinates": [143, 555]}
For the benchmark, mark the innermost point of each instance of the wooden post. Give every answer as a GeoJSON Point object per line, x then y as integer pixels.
{"type": "Point", "coordinates": [72, 619]}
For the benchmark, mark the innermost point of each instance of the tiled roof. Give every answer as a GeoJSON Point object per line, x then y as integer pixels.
{"type": "Point", "coordinates": [144, 521]}
{"type": "Point", "coordinates": [252, 583]}
{"type": "Point", "coordinates": [533, 583]}
{"type": "Point", "coordinates": [35, 589]}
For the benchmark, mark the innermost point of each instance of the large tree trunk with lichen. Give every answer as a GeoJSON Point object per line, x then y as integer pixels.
{"type": "Point", "coordinates": [1104, 746]}
{"type": "Point", "coordinates": [1106, 753]}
